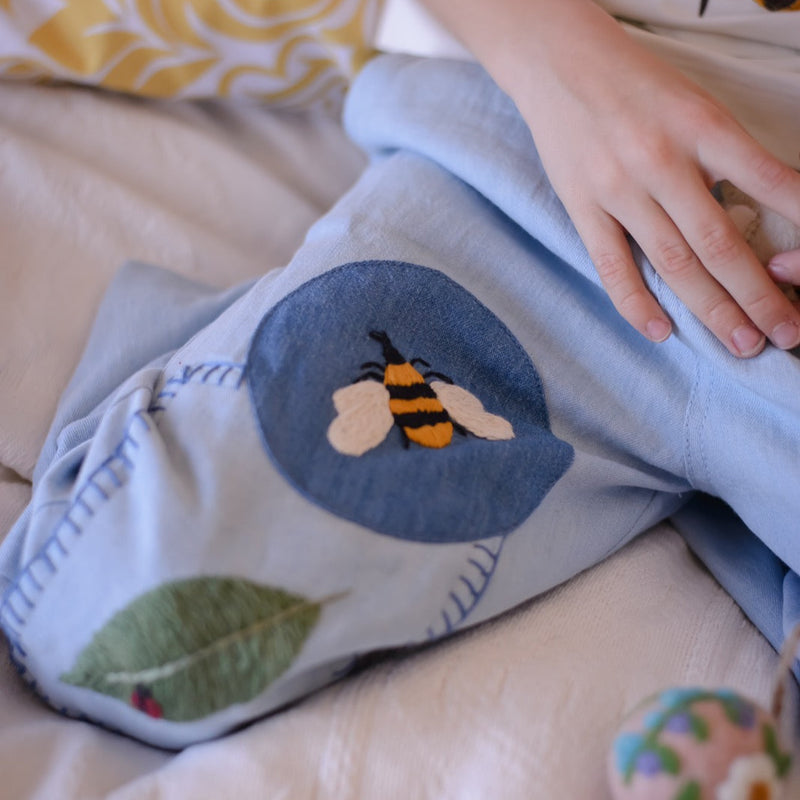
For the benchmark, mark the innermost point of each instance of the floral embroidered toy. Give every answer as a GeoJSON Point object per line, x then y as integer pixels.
{"type": "Point", "coordinates": [702, 744]}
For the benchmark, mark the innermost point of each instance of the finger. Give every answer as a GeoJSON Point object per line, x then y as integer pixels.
{"type": "Point", "coordinates": [733, 154]}
{"type": "Point", "coordinates": [678, 265]}
{"type": "Point", "coordinates": [785, 267]}
{"type": "Point", "coordinates": [722, 250]}
{"type": "Point", "coordinates": [611, 255]}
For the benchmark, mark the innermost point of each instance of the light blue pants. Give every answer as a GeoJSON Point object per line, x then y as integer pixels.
{"type": "Point", "coordinates": [432, 414]}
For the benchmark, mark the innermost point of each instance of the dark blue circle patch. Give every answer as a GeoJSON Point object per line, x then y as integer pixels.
{"type": "Point", "coordinates": [389, 395]}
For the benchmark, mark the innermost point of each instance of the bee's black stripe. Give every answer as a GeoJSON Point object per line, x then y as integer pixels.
{"type": "Point", "coordinates": [420, 418]}
{"type": "Point", "coordinates": [413, 392]}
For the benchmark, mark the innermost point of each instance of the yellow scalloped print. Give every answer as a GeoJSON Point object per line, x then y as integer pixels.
{"type": "Point", "coordinates": [287, 52]}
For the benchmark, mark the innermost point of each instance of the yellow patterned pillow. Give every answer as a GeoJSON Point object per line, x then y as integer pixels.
{"type": "Point", "coordinates": [289, 52]}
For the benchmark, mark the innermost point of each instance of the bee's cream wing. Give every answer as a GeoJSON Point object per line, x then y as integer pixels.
{"type": "Point", "coordinates": [465, 409]}
{"type": "Point", "coordinates": [363, 419]}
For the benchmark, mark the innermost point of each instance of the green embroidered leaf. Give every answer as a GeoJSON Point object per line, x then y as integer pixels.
{"type": "Point", "coordinates": [782, 761]}
{"type": "Point", "coordinates": [699, 728]}
{"type": "Point", "coordinates": [689, 792]}
{"type": "Point", "coordinates": [187, 649]}
{"type": "Point", "coordinates": [739, 711]}
{"type": "Point", "coordinates": [670, 762]}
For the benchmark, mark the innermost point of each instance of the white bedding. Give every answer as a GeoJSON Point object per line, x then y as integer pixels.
{"type": "Point", "coordinates": [522, 707]}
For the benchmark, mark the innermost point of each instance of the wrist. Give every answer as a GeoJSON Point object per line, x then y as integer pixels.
{"type": "Point", "coordinates": [522, 43]}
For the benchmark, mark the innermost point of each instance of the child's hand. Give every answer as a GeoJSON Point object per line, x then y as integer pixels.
{"type": "Point", "coordinates": [632, 146]}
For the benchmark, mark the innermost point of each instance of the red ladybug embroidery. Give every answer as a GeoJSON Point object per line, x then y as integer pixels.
{"type": "Point", "coordinates": [142, 698]}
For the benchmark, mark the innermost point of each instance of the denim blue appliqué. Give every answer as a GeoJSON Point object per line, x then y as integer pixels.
{"type": "Point", "coordinates": [318, 340]}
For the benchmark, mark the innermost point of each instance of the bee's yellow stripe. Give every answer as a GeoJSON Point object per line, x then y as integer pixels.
{"type": "Point", "coordinates": [401, 375]}
{"type": "Point", "coordinates": [438, 435]}
{"type": "Point", "coordinates": [418, 404]}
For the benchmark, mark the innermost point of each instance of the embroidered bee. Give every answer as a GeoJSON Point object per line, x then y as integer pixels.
{"type": "Point", "coordinates": [427, 406]}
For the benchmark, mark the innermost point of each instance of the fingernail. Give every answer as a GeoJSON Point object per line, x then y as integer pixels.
{"type": "Point", "coordinates": [786, 336]}
{"type": "Point", "coordinates": [658, 329]}
{"type": "Point", "coordinates": [779, 270]}
{"type": "Point", "coordinates": [747, 340]}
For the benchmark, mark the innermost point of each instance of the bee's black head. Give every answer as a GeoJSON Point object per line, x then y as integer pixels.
{"type": "Point", "coordinates": [390, 353]}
